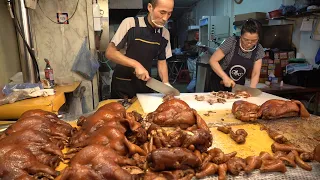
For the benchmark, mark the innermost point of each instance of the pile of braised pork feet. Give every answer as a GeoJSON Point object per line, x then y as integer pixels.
{"type": "Point", "coordinates": [172, 142]}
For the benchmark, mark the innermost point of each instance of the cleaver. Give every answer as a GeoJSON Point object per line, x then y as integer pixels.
{"type": "Point", "coordinates": [252, 91]}
{"type": "Point", "coordinates": [161, 87]}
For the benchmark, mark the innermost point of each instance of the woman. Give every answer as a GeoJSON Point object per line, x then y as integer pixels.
{"type": "Point", "coordinates": [237, 58]}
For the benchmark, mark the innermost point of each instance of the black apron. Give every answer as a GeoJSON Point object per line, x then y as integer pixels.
{"type": "Point", "coordinates": [124, 81]}
{"type": "Point", "coordinates": [238, 69]}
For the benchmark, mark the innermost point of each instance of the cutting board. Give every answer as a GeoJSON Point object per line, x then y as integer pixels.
{"type": "Point", "coordinates": [151, 101]}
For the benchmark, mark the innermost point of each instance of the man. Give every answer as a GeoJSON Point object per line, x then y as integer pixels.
{"type": "Point", "coordinates": [144, 39]}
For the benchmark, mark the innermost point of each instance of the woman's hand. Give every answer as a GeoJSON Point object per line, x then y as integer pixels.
{"type": "Point", "coordinates": [227, 82]}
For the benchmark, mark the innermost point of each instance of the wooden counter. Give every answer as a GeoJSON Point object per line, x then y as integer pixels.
{"type": "Point", "coordinates": [49, 103]}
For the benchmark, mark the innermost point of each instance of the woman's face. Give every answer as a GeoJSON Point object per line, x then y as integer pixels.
{"type": "Point", "coordinates": [248, 40]}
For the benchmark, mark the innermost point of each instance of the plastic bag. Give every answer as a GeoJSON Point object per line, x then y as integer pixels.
{"type": "Point", "coordinates": [10, 87]}
{"type": "Point", "coordinates": [86, 63]}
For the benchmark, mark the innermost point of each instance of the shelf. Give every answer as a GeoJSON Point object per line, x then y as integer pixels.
{"type": "Point", "coordinates": [262, 21]}
{"type": "Point", "coordinates": [298, 15]}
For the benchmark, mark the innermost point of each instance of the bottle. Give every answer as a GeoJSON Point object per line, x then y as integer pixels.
{"type": "Point", "coordinates": [271, 77]}
{"type": "Point", "coordinates": [49, 73]}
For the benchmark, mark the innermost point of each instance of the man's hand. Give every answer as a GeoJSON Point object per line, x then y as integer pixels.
{"type": "Point", "coordinates": [141, 72]}
{"type": "Point", "coordinates": [227, 82]}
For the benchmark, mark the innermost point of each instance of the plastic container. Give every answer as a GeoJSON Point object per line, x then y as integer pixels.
{"type": "Point", "coordinates": [64, 80]}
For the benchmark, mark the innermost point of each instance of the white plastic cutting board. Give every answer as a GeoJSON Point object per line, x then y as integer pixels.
{"type": "Point", "coordinates": [151, 101]}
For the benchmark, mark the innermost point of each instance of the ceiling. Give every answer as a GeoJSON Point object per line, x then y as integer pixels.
{"type": "Point", "coordinates": [180, 6]}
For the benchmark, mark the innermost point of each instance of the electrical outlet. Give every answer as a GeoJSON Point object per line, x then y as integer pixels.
{"type": "Point", "coordinates": [62, 18]}
{"type": "Point", "coordinates": [32, 4]}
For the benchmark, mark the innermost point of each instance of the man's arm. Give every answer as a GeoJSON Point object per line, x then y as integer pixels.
{"type": "Point", "coordinates": [116, 56]}
{"type": "Point", "coordinates": [163, 71]}
{"type": "Point", "coordinates": [255, 73]}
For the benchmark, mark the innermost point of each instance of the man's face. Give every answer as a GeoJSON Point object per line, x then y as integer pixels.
{"type": "Point", "coordinates": [161, 12]}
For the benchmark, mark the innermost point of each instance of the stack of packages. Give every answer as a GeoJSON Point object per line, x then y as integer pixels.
{"type": "Point", "coordinates": [274, 65]}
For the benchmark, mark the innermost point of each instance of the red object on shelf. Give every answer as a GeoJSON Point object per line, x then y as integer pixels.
{"type": "Point", "coordinates": [275, 14]}
{"type": "Point", "coordinates": [184, 76]}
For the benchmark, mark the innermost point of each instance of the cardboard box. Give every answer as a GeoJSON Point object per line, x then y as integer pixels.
{"type": "Point", "coordinates": [265, 62]}
{"type": "Point", "coordinates": [284, 63]}
{"type": "Point", "coordinates": [283, 55]}
{"type": "Point", "coordinates": [253, 15]}
{"type": "Point", "coordinates": [276, 56]}
{"type": "Point", "coordinates": [291, 55]}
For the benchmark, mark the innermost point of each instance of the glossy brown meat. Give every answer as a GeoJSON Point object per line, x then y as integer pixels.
{"type": "Point", "coordinates": [112, 135]}
{"type": "Point", "coordinates": [172, 159]}
{"type": "Point", "coordinates": [224, 129]}
{"type": "Point", "coordinates": [307, 156]}
{"type": "Point", "coordinates": [253, 162]}
{"type": "Point", "coordinates": [42, 124]}
{"type": "Point", "coordinates": [285, 147]}
{"type": "Point", "coordinates": [111, 112]}
{"type": "Point", "coordinates": [275, 165]}
{"type": "Point", "coordinates": [236, 165]}
{"type": "Point", "coordinates": [17, 162]}
{"type": "Point", "coordinates": [245, 111]}
{"type": "Point", "coordinates": [239, 136]}
{"type": "Point", "coordinates": [316, 153]}
{"type": "Point", "coordinates": [216, 156]}
{"type": "Point", "coordinates": [300, 162]}
{"type": "Point", "coordinates": [158, 136]}
{"type": "Point", "coordinates": [98, 162]}
{"type": "Point", "coordinates": [274, 109]}
{"type": "Point", "coordinates": [200, 138]}
{"type": "Point", "coordinates": [275, 135]}
{"type": "Point", "coordinates": [39, 144]}
{"type": "Point", "coordinates": [208, 170]}
{"type": "Point", "coordinates": [69, 130]}
{"type": "Point", "coordinates": [176, 113]}
{"type": "Point", "coordinates": [288, 159]}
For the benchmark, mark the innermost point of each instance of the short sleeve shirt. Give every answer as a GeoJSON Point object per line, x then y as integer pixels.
{"type": "Point", "coordinates": [228, 48]}
{"type": "Point", "coordinates": [127, 28]}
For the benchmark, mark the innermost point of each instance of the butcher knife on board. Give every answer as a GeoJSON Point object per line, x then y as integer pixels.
{"type": "Point", "coordinates": [161, 87]}
{"type": "Point", "coordinates": [252, 91]}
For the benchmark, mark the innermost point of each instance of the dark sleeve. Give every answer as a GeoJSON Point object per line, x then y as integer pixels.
{"type": "Point", "coordinates": [260, 53]}
{"type": "Point", "coordinates": [227, 45]}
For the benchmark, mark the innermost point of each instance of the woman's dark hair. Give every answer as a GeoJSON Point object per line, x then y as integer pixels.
{"type": "Point", "coordinates": [251, 26]}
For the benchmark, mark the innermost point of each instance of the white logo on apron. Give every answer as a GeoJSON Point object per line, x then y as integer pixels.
{"type": "Point", "coordinates": [236, 72]}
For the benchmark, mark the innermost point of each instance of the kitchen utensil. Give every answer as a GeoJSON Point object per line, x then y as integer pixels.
{"type": "Point", "coordinates": [161, 87]}
{"type": "Point", "coordinates": [254, 92]}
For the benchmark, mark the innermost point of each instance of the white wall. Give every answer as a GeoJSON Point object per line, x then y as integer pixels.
{"type": "Point", "coordinates": [9, 55]}
{"type": "Point", "coordinates": [256, 6]}
{"type": "Point", "coordinates": [60, 43]}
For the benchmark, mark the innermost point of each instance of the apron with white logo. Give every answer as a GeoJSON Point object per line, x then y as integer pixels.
{"type": "Point", "coordinates": [238, 69]}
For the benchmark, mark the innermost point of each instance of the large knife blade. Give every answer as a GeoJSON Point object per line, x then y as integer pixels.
{"type": "Point", "coordinates": [161, 87]}
{"type": "Point", "coordinates": [252, 91]}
